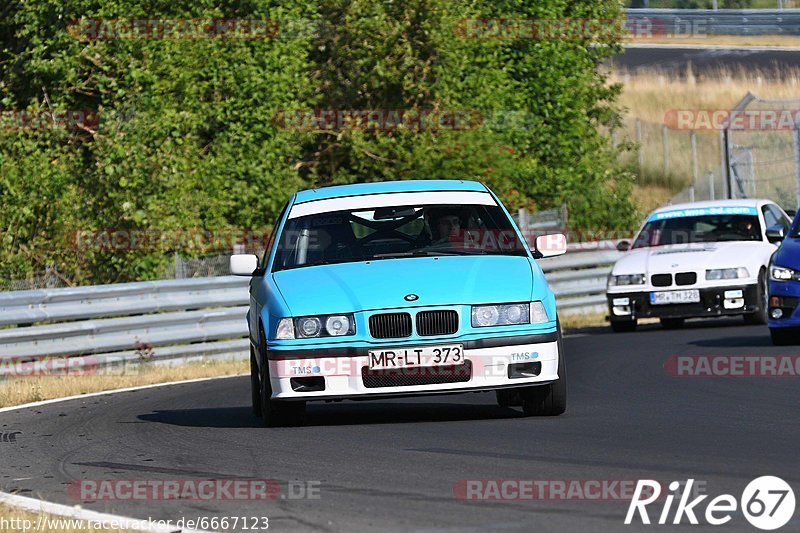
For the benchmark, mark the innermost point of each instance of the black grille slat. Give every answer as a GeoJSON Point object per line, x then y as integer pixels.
{"type": "Point", "coordinates": [437, 322]}
{"type": "Point", "coordinates": [416, 376]}
{"type": "Point", "coordinates": [686, 278]}
{"type": "Point", "coordinates": [661, 280]}
{"type": "Point", "coordinates": [390, 325]}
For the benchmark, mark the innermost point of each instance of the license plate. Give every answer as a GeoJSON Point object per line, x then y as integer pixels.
{"type": "Point", "coordinates": [416, 357]}
{"type": "Point", "coordinates": [675, 297]}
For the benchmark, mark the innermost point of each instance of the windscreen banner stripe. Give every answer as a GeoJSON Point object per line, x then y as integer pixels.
{"type": "Point", "coordinates": [373, 201]}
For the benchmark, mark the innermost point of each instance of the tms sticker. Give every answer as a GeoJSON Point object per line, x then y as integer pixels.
{"type": "Point", "coordinates": [304, 369]}
{"type": "Point", "coordinates": [524, 356]}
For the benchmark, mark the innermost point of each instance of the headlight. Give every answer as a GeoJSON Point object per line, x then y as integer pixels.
{"type": "Point", "coordinates": [783, 274]}
{"type": "Point", "coordinates": [727, 273]}
{"type": "Point", "coordinates": [338, 325]}
{"type": "Point", "coordinates": [309, 327]}
{"type": "Point", "coordinates": [626, 279]}
{"type": "Point", "coordinates": [506, 314]}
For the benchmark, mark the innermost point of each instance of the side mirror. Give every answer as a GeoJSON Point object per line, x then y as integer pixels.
{"type": "Point", "coordinates": [624, 246]}
{"type": "Point", "coordinates": [243, 264]}
{"type": "Point", "coordinates": [776, 233]}
{"type": "Point", "coordinates": [791, 212]}
{"type": "Point", "coordinates": [550, 245]}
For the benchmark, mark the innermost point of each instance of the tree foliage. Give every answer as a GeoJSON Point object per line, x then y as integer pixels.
{"type": "Point", "coordinates": [188, 137]}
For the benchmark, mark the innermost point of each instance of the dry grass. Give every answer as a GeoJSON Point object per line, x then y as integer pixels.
{"type": "Point", "coordinates": [17, 391]}
{"type": "Point", "coordinates": [570, 323]}
{"type": "Point", "coordinates": [13, 520]}
{"type": "Point", "coordinates": [650, 95]}
{"type": "Point", "coordinates": [724, 40]}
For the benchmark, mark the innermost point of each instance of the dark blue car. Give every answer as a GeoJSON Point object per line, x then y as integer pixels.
{"type": "Point", "coordinates": [784, 286]}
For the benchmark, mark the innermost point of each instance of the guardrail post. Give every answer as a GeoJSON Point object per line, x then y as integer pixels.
{"type": "Point", "coordinates": [711, 193]}
{"type": "Point", "coordinates": [693, 138]}
{"type": "Point", "coordinates": [639, 144]}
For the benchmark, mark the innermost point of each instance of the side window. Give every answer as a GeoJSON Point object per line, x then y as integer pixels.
{"type": "Point", "coordinates": [769, 216]}
{"type": "Point", "coordinates": [779, 216]}
{"type": "Point", "coordinates": [271, 241]}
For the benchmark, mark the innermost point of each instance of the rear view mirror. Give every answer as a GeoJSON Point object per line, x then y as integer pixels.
{"type": "Point", "coordinates": [624, 246]}
{"type": "Point", "coordinates": [550, 245]}
{"type": "Point", "coordinates": [776, 233]}
{"type": "Point", "coordinates": [791, 212]}
{"type": "Point", "coordinates": [243, 264]}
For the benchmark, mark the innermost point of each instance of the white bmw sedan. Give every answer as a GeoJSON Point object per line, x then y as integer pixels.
{"type": "Point", "coordinates": [704, 259]}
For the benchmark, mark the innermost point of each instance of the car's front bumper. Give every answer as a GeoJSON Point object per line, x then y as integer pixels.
{"type": "Point", "coordinates": [784, 295]}
{"type": "Point", "coordinates": [344, 372]}
{"type": "Point", "coordinates": [713, 302]}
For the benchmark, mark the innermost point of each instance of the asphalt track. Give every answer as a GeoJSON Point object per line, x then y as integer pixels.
{"type": "Point", "coordinates": [392, 465]}
{"type": "Point", "coordinates": [772, 62]}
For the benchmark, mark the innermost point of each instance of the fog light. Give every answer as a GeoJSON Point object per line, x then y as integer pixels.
{"type": "Point", "coordinates": [733, 303]}
{"type": "Point", "coordinates": [777, 313]}
{"type": "Point", "coordinates": [621, 301]}
{"type": "Point", "coordinates": [524, 370]}
{"type": "Point", "coordinates": [733, 294]}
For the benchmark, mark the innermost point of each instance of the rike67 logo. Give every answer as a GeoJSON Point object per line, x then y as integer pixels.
{"type": "Point", "coordinates": [767, 502]}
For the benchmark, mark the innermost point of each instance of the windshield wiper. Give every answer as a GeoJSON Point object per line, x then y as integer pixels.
{"type": "Point", "coordinates": [420, 253]}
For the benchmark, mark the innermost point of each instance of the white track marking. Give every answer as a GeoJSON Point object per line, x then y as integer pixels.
{"type": "Point", "coordinates": [76, 512]}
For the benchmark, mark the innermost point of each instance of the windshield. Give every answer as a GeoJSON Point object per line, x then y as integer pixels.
{"type": "Point", "coordinates": [396, 232]}
{"type": "Point", "coordinates": [699, 229]}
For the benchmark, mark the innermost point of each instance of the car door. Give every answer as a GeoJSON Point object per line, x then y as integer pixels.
{"type": "Point", "coordinates": [256, 296]}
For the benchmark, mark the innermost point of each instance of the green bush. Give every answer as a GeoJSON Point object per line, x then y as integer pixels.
{"type": "Point", "coordinates": [188, 136]}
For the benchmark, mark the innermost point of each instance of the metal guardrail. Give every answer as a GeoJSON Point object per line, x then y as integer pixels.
{"type": "Point", "coordinates": [180, 320]}
{"type": "Point", "coordinates": [578, 278]}
{"type": "Point", "coordinates": [699, 22]}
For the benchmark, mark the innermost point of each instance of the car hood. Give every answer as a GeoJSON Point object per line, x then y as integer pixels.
{"type": "Point", "coordinates": [686, 257]}
{"type": "Point", "coordinates": [382, 284]}
{"type": "Point", "coordinates": [788, 255]}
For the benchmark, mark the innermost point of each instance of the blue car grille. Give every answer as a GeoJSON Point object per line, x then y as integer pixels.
{"type": "Point", "coordinates": [390, 325]}
{"type": "Point", "coordinates": [437, 323]}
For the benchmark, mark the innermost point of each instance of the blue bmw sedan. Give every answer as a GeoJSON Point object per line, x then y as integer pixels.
{"type": "Point", "coordinates": [400, 289]}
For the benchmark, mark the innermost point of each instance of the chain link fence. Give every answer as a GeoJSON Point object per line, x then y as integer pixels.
{"type": "Point", "coordinates": [764, 153]}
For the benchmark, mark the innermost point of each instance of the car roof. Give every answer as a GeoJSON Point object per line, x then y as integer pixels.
{"type": "Point", "coordinates": [745, 202]}
{"type": "Point", "coordinates": [380, 187]}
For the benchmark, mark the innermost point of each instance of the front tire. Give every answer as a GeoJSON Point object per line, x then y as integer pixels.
{"type": "Point", "coordinates": [760, 316]}
{"type": "Point", "coordinates": [255, 384]}
{"type": "Point", "coordinates": [548, 400]}
{"type": "Point", "coordinates": [276, 413]}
